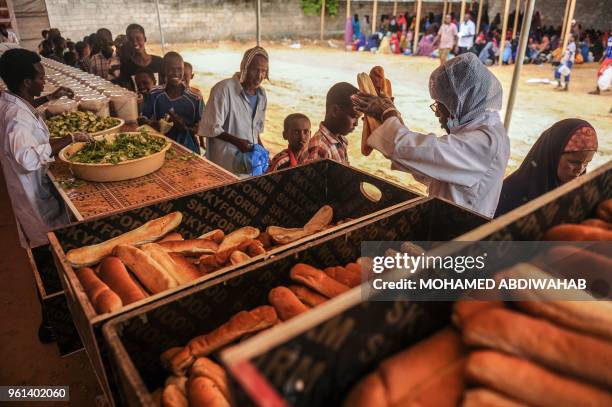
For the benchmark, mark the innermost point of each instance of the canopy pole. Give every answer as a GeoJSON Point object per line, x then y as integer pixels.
{"type": "Point", "coordinates": [518, 64]}
{"type": "Point", "coordinates": [348, 8]}
{"type": "Point", "coordinates": [517, 12]}
{"type": "Point", "coordinates": [394, 8]}
{"type": "Point", "coordinates": [567, 6]}
{"type": "Point", "coordinates": [374, 18]}
{"type": "Point", "coordinates": [416, 28]}
{"type": "Point", "coordinates": [480, 3]}
{"type": "Point", "coordinates": [161, 32]}
{"type": "Point", "coordinates": [444, 10]}
{"type": "Point", "coordinates": [322, 18]}
{"type": "Point", "coordinates": [568, 26]}
{"type": "Point", "coordinates": [502, 44]}
{"type": "Point", "coordinates": [258, 21]}
{"type": "Point", "coordinates": [462, 15]}
{"type": "Point", "coordinates": [450, 7]}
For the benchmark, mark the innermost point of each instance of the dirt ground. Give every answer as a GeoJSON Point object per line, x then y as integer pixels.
{"type": "Point", "coordinates": [300, 78]}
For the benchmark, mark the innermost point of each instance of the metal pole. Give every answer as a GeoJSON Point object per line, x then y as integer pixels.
{"type": "Point", "coordinates": [568, 26]}
{"type": "Point", "coordinates": [394, 8]}
{"type": "Point", "coordinates": [161, 32]}
{"type": "Point", "coordinates": [518, 64]}
{"type": "Point", "coordinates": [517, 12]}
{"type": "Point", "coordinates": [462, 12]}
{"type": "Point", "coordinates": [567, 6]}
{"type": "Point", "coordinates": [374, 19]}
{"type": "Point", "coordinates": [479, 19]}
{"type": "Point", "coordinates": [258, 20]}
{"type": "Point", "coordinates": [322, 18]}
{"type": "Point", "coordinates": [416, 28]}
{"type": "Point", "coordinates": [502, 44]}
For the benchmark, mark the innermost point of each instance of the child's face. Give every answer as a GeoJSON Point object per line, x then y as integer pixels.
{"type": "Point", "coordinates": [187, 75]}
{"type": "Point", "coordinates": [297, 134]}
{"type": "Point", "coordinates": [345, 119]}
{"type": "Point", "coordinates": [174, 71]}
{"type": "Point", "coordinates": [144, 82]}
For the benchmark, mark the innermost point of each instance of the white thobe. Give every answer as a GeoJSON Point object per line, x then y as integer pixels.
{"type": "Point", "coordinates": [466, 167]}
{"type": "Point", "coordinates": [25, 154]}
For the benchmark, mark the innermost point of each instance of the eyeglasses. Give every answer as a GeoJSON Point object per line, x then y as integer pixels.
{"type": "Point", "coordinates": [434, 107]}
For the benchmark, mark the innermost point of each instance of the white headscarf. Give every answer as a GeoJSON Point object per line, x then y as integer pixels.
{"type": "Point", "coordinates": [466, 88]}
{"type": "Point", "coordinates": [248, 58]}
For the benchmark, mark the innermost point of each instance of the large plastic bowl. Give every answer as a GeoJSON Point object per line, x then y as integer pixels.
{"type": "Point", "coordinates": [114, 172]}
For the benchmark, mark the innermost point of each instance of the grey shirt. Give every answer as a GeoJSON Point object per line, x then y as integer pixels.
{"type": "Point", "coordinates": [228, 111]}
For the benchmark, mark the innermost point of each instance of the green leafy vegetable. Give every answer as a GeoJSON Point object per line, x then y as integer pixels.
{"type": "Point", "coordinates": [72, 122]}
{"type": "Point", "coordinates": [125, 147]}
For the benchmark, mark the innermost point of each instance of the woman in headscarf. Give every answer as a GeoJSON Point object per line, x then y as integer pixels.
{"type": "Point", "coordinates": [466, 165]}
{"type": "Point", "coordinates": [560, 154]}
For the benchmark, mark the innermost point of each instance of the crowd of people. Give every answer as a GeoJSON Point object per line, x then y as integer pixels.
{"type": "Point", "coordinates": [441, 36]}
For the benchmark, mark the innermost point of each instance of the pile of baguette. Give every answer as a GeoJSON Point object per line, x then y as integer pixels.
{"type": "Point", "coordinates": [537, 351]}
{"type": "Point", "coordinates": [154, 258]}
{"type": "Point", "coordinates": [313, 287]}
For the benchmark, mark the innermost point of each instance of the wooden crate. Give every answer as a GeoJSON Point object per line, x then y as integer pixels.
{"type": "Point", "coordinates": [312, 361]}
{"type": "Point", "coordinates": [54, 304]}
{"type": "Point", "coordinates": [137, 338]}
{"type": "Point", "coordinates": [287, 198]}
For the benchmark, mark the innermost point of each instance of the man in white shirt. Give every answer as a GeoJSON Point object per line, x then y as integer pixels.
{"type": "Point", "coordinates": [466, 34]}
{"type": "Point", "coordinates": [235, 113]}
{"type": "Point", "coordinates": [25, 148]}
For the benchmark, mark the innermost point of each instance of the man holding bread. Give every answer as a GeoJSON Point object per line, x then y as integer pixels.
{"type": "Point", "coordinates": [467, 164]}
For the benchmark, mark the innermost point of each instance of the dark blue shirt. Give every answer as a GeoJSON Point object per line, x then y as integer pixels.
{"type": "Point", "coordinates": [189, 106]}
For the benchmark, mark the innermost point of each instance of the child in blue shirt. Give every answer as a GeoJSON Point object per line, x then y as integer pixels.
{"type": "Point", "coordinates": [175, 100]}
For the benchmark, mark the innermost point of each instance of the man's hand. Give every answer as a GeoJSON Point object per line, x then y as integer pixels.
{"type": "Point", "coordinates": [178, 122]}
{"type": "Point", "coordinates": [373, 106]}
{"type": "Point", "coordinates": [243, 145]}
{"type": "Point", "coordinates": [61, 92]}
{"type": "Point", "coordinates": [82, 138]}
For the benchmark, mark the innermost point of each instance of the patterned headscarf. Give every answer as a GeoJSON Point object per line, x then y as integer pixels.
{"type": "Point", "coordinates": [582, 139]}
{"type": "Point", "coordinates": [248, 58]}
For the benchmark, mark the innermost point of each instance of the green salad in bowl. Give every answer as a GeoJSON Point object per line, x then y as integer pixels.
{"type": "Point", "coordinates": [123, 147]}
{"type": "Point", "coordinates": [85, 122]}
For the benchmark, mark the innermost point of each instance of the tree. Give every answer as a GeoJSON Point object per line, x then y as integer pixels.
{"type": "Point", "coordinates": [313, 7]}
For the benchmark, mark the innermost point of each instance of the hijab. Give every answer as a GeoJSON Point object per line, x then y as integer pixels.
{"type": "Point", "coordinates": [538, 172]}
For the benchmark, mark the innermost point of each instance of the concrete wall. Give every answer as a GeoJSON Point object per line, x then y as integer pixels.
{"type": "Point", "coordinates": [194, 20]}
{"type": "Point", "coordinates": [31, 20]}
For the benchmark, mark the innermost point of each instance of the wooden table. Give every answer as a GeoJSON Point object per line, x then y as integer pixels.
{"type": "Point", "coordinates": [182, 173]}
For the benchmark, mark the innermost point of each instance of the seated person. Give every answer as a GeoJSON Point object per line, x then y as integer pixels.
{"type": "Point", "coordinates": [188, 76]}
{"type": "Point", "coordinates": [340, 120]}
{"type": "Point", "coordinates": [175, 102]}
{"type": "Point", "coordinates": [296, 130]}
{"type": "Point", "coordinates": [145, 81]}
{"type": "Point", "coordinates": [560, 154]}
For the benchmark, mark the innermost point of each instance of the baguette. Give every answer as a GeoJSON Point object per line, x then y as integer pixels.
{"type": "Point", "coordinates": [203, 392]}
{"type": "Point", "coordinates": [179, 381]}
{"type": "Point", "coordinates": [441, 390]}
{"type": "Point", "coordinates": [180, 274]}
{"type": "Point", "coordinates": [205, 367]}
{"type": "Point", "coordinates": [238, 257]}
{"type": "Point", "coordinates": [280, 235]}
{"type": "Point", "coordinates": [307, 296]}
{"type": "Point", "coordinates": [237, 237]}
{"type": "Point", "coordinates": [216, 236]}
{"type": "Point", "coordinates": [149, 272]}
{"type": "Point", "coordinates": [115, 275]}
{"type": "Point", "coordinates": [369, 123]}
{"type": "Point", "coordinates": [604, 210]}
{"type": "Point", "coordinates": [530, 383]}
{"type": "Point", "coordinates": [597, 223]}
{"type": "Point", "coordinates": [102, 298]}
{"type": "Point", "coordinates": [266, 240]}
{"type": "Point", "coordinates": [286, 303]}
{"type": "Point", "coordinates": [186, 265]}
{"type": "Point", "coordinates": [317, 280]}
{"type": "Point", "coordinates": [320, 220]}
{"type": "Point", "coordinates": [350, 277]}
{"type": "Point", "coordinates": [488, 398]}
{"type": "Point", "coordinates": [517, 334]}
{"type": "Point", "coordinates": [172, 396]}
{"type": "Point", "coordinates": [240, 324]}
{"type": "Point", "coordinates": [465, 309]}
{"type": "Point", "coordinates": [568, 232]}
{"type": "Point", "coordinates": [404, 373]}
{"type": "Point", "coordinates": [149, 232]}
{"type": "Point", "coordinates": [171, 237]}
{"type": "Point", "coordinates": [190, 247]}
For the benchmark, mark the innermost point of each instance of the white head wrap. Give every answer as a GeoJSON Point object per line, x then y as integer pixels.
{"type": "Point", "coordinates": [248, 58]}
{"type": "Point", "coordinates": [466, 88]}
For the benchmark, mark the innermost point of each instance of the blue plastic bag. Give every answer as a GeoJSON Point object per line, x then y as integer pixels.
{"type": "Point", "coordinates": [254, 162]}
